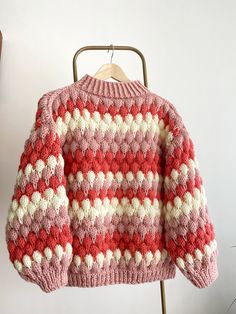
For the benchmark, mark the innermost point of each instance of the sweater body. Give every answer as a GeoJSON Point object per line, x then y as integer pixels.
{"type": "Point", "coordinates": [108, 191]}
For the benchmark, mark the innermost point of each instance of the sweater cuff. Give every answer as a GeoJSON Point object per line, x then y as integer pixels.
{"type": "Point", "coordinates": [53, 279]}
{"type": "Point", "coordinates": [204, 273]}
{"type": "Point", "coordinates": [48, 276]}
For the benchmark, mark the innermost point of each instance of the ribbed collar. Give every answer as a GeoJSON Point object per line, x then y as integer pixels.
{"type": "Point", "coordinates": [112, 89]}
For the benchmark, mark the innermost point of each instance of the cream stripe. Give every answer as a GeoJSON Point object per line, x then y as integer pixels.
{"type": "Point", "coordinates": [27, 206]}
{"type": "Point", "coordinates": [186, 205]}
{"type": "Point", "coordinates": [108, 123]}
{"type": "Point", "coordinates": [100, 258]}
{"type": "Point", "coordinates": [40, 165]}
{"type": "Point", "coordinates": [110, 176]}
{"type": "Point", "coordinates": [183, 171]}
{"type": "Point", "coordinates": [107, 207]}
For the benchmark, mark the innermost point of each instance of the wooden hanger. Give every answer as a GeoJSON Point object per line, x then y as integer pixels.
{"type": "Point", "coordinates": [111, 70]}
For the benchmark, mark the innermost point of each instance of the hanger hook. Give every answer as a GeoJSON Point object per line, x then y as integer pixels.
{"type": "Point", "coordinates": [112, 52]}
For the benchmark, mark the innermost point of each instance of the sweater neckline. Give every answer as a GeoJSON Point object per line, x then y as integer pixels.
{"type": "Point", "coordinates": [112, 89]}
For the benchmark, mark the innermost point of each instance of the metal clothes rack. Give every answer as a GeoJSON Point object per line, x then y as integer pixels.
{"type": "Point", "coordinates": [144, 67]}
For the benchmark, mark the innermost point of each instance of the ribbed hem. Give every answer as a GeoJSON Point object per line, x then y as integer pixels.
{"type": "Point", "coordinates": [111, 89]}
{"type": "Point", "coordinates": [110, 277]}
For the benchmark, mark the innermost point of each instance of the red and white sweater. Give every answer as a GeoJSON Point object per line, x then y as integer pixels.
{"type": "Point", "coordinates": [108, 191]}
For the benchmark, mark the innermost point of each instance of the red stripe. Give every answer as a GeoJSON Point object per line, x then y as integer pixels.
{"type": "Point", "coordinates": [191, 242]}
{"type": "Point", "coordinates": [40, 149]}
{"type": "Point", "coordinates": [180, 189]}
{"type": "Point", "coordinates": [99, 161]}
{"type": "Point", "coordinates": [102, 243]}
{"type": "Point", "coordinates": [141, 194]}
{"type": "Point", "coordinates": [39, 242]}
{"type": "Point", "coordinates": [181, 154]}
{"type": "Point", "coordinates": [102, 109]}
{"type": "Point", "coordinates": [42, 185]}
{"type": "Point", "coordinates": [118, 241]}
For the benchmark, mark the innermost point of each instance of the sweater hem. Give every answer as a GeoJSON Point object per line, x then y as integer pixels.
{"type": "Point", "coordinates": [119, 277]}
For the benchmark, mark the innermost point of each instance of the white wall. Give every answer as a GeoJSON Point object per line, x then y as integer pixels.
{"type": "Point", "coordinates": [190, 52]}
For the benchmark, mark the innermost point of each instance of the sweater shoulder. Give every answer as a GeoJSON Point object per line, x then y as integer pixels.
{"type": "Point", "coordinates": [49, 101]}
{"type": "Point", "coordinates": [168, 109]}
{"type": "Point", "coordinates": [167, 104]}
{"type": "Point", "coordinates": [54, 93]}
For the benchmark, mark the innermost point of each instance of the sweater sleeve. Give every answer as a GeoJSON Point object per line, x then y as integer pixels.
{"type": "Point", "coordinates": [37, 230]}
{"type": "Point", "coordinates": [189, 231]}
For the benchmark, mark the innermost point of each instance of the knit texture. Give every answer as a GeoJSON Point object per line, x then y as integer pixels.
{"type": "Point", "coordinates": [108, 191]}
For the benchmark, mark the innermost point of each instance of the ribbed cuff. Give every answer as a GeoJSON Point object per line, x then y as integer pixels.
{"type": "Point", "coordinates": [206, 274]}
{"type": "Point", "coordinates": [53, 280]}
{"type": "Point", "coordinates": [48, 276]}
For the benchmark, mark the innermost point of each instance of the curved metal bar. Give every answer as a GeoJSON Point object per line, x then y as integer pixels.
{"type": "Point", "coordinates": [105, 47]}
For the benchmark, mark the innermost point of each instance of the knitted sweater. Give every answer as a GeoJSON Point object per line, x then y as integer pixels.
{"type": "Point", "coordinates": [108, 191]}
